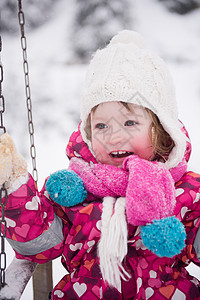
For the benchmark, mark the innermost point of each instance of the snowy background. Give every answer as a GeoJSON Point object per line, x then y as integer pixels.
{"type": "Point", "coordinates": [57, 76]}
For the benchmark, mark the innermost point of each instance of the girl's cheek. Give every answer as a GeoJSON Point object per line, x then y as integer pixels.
{"type": "Point", "coordinates": [142, 146]}
{"type": "Point", "coordinates": [100, 156]}
{"type": "Point", "coordinates": [97, 149]}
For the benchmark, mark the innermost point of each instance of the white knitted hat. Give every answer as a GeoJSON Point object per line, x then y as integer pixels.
{"type": "Point", "coordinates": [126, 70]}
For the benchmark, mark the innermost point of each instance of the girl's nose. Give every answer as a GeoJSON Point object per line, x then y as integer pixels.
{"type": "Point", "coordinates": [116, 137]}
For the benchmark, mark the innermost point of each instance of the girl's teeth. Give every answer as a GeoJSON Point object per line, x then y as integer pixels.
{"type": "Point", "coordinates": [120, 154]}
{"type": "Point", "coordinates": [114, 152]}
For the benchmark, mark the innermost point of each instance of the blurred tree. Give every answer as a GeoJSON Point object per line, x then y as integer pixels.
{"type": "Point", "coordinates": [36, 13]}
{"type": "Point", "coordinates": [181, 6]}
{"type": "Point", "coordinates": [95, 22]}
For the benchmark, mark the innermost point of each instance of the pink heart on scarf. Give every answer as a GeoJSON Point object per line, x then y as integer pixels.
{"type": "Point", "coordinates": [23, 230]}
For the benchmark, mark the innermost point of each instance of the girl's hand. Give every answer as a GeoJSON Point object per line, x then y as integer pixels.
{"type": "Point", "coordinates": [165, 237]}
{"type": "Point", "coordinates": [150, 192]}
{"type": "Point", "coordinates": [66, 188]}
{"type": "Point", "coordinates": [150, 200]}
{"type": "Point", "coordinates": [12, 164]}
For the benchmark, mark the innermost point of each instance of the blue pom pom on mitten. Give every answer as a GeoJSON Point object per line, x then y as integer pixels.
{"type": "Point", "coordinates": [165, 237]}
{"type": "Point", "coordinates": [66, 188]}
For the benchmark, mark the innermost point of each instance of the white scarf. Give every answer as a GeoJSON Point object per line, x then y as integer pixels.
{"type": "Point", "coordinates": [112, 247]}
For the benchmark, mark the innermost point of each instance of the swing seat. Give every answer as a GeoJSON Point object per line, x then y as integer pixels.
{"type": "Point", "coordinates": [17, 276]}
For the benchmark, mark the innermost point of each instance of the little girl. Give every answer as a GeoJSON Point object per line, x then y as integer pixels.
{"type": "Point", "coordinates": [127, 173]}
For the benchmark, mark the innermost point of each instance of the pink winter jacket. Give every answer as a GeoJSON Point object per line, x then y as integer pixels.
{"type": "Point", "coordinates": [40, 230]}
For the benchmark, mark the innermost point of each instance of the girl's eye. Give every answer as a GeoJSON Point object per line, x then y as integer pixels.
{"type": "Point", "coordinates": [101, 126]}
{"type": "Point", "coordinates": [130, 123]}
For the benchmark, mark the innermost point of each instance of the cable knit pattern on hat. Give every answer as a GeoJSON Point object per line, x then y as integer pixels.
{"type": "Point", "coordinates": [126, 70]}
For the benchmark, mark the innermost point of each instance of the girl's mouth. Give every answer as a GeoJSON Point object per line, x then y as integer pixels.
{"type": "Point", "coordinates": [120, 154]}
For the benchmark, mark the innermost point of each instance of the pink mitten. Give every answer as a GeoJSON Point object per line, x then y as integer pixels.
{"type": "Point", "coordinates": [150, 192]}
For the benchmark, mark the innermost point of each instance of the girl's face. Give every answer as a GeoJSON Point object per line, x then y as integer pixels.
{"type": "Point", "coordinates": [117, 132]}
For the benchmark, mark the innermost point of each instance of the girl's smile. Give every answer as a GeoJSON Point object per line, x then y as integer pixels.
{"type": "Point", "coordinates": [118, 131]}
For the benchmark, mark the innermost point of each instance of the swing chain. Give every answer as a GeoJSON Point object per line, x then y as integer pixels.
{"type": "Point", "coordinates": [3, 191]}
{"type": "Point", "coordinates": [3, 195]}
{"type": "Point", "coordinates": [21, 19]}
{"type": "Point", "coordinates": [2, 103]}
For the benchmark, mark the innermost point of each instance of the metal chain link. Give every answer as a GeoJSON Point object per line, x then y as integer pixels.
{"type": "Point", "coordinates": [21, 18]}
{"type": "Point", "coordinates": [2, 102]}
{"type": "Point", "coordinates": [43, 272]}
{"type": "Point", "coordinates": [3, 191]}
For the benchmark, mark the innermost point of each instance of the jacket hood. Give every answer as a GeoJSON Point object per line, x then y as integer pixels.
{"type": "Point", "coordinates": [78, 148]}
